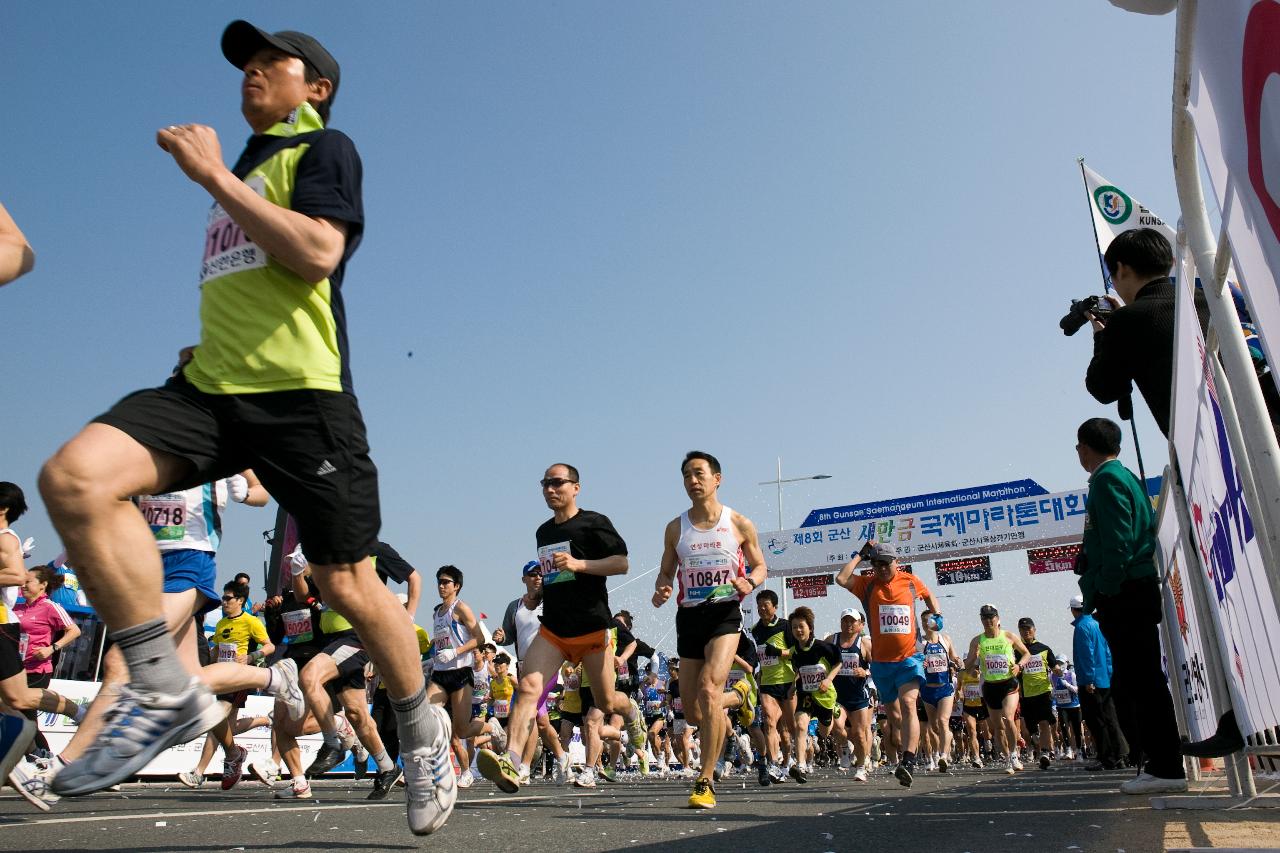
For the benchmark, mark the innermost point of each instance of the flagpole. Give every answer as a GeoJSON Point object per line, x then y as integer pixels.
{"type": "Point", "coordinates": [1097, 244]}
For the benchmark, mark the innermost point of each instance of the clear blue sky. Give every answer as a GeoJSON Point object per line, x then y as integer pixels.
{"type": "Point", "coordinates": [838, 233]}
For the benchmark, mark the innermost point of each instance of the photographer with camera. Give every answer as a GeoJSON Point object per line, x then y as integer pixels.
{"type": "Point", "coordinates": [1134, 343]}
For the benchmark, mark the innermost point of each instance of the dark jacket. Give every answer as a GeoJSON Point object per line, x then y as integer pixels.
{"type": "Point", "coordinates": [1137, 347]}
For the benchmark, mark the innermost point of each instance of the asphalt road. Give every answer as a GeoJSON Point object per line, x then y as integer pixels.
{"type": "Point", "coordinates": [1063, 809]}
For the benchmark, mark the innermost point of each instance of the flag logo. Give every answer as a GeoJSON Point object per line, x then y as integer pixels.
{"type": "Point", "coordinates": [1113, 204]}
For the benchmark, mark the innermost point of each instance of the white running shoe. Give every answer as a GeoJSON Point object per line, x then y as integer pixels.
{"type": "Point", "coordinates": [428, 775]}
{"type": "Point", "coordinates": [466, 779]}
{"type": "Point", "coordinates": [524, 776]}
{"type": "Point", "coordinates": [1145, 783]}
{"type": "Point", "coordinates": [1016, 762]}
{"type": "Point", "coordinates": [31, 779]}
{"type": "Point", "coordinates": [265, 772]}
{"type": "Point", "coordinates": [585, 779]}
{"type": "Point", "coordinates": [191, 778]}
{"type": "Point", "coordinates": [288, 692]}
{"type": "Point", "coordinates": [299, 789]}
{"type": "Point", "coordinates": [560, 774]}
{"type": "Point", "coordinates": [1009, 768]}
{"type": "Point", "coordinates": [860, 775]}
{"type": "Point", "coordinates": [140, 726]}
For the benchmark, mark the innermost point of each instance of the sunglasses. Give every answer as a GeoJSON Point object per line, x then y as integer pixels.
{"type": "Point", "coordinates": [230, 597]}
{"type": "Point", "coordinates": [554, 482]}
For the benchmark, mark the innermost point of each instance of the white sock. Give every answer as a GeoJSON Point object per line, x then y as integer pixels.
{"type": "Point", "coordinates": [384, 761]}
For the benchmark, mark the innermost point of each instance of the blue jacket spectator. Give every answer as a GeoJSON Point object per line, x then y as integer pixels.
{"type": "Point", "coordinates": [1092, 654]}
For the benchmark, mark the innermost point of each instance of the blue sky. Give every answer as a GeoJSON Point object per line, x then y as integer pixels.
{"type": "Point", "coordinates": [608, 234]}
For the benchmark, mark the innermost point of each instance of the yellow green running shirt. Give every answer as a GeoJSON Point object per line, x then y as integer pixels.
{"type": "Point", "coordinates": [263, 328]}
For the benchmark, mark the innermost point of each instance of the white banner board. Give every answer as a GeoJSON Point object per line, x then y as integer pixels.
{"type": "Point", "coordinates": [1013, 525]}
{"type": "Point", "coordinates": [1222, 527]}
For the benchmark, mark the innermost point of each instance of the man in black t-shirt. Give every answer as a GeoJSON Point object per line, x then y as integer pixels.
{"type": "Point", "coordinates": [577, 550]}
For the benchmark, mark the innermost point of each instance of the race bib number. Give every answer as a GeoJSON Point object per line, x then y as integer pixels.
{"type": "Point", "coordinates": [849, 661]}
{"type": "Point", "coordinates": [706, 579]}
{"type": "Point", "coordinates": [546, 558]}
{"type": "Point", "coordinates": [501, 708]}
{"type": "Point", "coordinates": [895, 618]}
{"type": "Point", "coordinates": [442, 641]}
{"type": "Point", "coordinates": [972, 691]}
{"type": "Point", "coordinates": [996, 664]}
{"type": "Point", "coordinates": [677, 705]}
{"type": "Point", "coordinates": [479, 692]}
{"type": "Point", "coordinates": [1062, 697]}
{"type": "Point", "coordinates": [735, 675]}
{"type": "Point", "coordinates": [1035, 666]}
{"type": "Point", "coordinates": [765, 651]}
{"type": "Point", "coordinates": [166, 515]}
{"type": "Point", "coordinates": [620, 666]}
{"type": "Point", "coordinates": [297, 626]}
{"type": "Point", "coordinates": [226, 248]}
{"type": "Point", "coordinates": [935, 663]}
{"type": "Point", "coordinates": [227, 652]}
{"type": "Point", "coordinates": [24, 645]}
{"type": "Point", "coordinates": [811, 677]}
{"type": "Point", "coordinates": [652, 707]}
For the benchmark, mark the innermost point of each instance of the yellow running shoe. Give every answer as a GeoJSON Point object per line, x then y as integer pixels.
{"type": "Point", "coordinates": [746, 713]}
{"type": "Point", "coordinates": [499, 770]}
{"type": "Point", "coordinates": [703, 796]}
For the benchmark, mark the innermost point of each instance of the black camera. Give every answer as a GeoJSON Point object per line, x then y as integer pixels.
{"type": "Point", "coordinates": [1098, 306]}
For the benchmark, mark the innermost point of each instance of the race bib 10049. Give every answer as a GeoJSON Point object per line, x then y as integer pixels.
{"type": "Point", "coordinates": [895, 618]}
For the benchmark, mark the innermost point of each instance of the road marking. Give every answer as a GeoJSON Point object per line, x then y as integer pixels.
{"type": "Point", "coordinates": [315, 807]}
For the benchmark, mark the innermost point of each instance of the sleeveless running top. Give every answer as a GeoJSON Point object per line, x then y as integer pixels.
{"type": "Point", "coordinates": [191, 519]}
{"type": "Point", "coordinates": [851, 659]}
{"type": "Point", "coordinates": [9, 594]}
{"type": "Point", "coordinates": [707, 561]}
{"type": "Point", "coordinates": [937, 670]}
{"type": "Point", "coordinates": [1064, 697]}
{"type": "Point", "coordinates": [971, 688]}
{"type": "Point", "coordinates": [449, 633]}
{"type": "Point", "coordinates": [995, 655]}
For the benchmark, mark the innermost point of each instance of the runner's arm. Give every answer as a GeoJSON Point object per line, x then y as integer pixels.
{"type": "Point", "coordinates": [414, 583]}
{"type": "Point", "coordinates": [1020, 649]}
{"type": "Point", "coordinates": [662, 584]}
{"type": "Point", "coordinates": [971, 660]}
{"type": "Point", "coordinates": [468, 620]}
{"type": "Point", "coordinates": [13, 571]}
{"type": "Point", "coordinates": [751, 553]}
{"type": "Point", "coordinates": [847, 574]}
{"type": "Point", "coordinates": [258, 495]}
{"type": "Point", "coordinates": [16, 255]}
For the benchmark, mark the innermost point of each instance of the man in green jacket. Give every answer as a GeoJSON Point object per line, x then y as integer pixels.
{"type": "Point", "coordinates": [1120, 583]}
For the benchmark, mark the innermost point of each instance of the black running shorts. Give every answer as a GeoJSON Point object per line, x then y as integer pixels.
{"type": "Point", "coordinates": [10, 662]}
{"type": "Point", "coordinates": [1037, 708]}
{"type": "Point", "coordinates": [307, 447]}
{"type": "Point", "coordinates": [697, 626]}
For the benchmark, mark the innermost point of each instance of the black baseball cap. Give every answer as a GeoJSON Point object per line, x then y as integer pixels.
{"type": "Point", "coordinates": [241, 40]}
{"type": "Point", "coordinates": [1026, 622]}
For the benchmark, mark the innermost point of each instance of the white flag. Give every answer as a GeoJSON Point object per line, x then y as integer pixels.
{"type": "Point", "coordinates": [1115, 212]}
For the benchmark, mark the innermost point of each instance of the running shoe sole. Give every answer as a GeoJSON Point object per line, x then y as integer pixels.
{"type": "Point", "coordinates": [490, 768]}
{"type": "Point", "coordinates": [78, 779]}
{"type": "Point", "coordinates": [903, 775]}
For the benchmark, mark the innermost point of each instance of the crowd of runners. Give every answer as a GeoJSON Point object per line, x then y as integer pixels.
{"type": "Point", "coordinates": [264, 407]}
{"type": "Point", "coordinates": [579, 699]}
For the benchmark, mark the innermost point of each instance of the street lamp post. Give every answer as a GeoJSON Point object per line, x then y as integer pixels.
{"type": "Point", "coordinates": [778, 482]}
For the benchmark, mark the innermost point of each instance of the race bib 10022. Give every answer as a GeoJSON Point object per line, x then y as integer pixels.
{"type": "Point", "coordinates": [895, 618]}
{"type": "Point", "coordinates": [297, 626]}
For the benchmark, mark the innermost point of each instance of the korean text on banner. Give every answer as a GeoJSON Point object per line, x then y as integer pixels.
{"type": "Point", "coordinates": [986, 528]}
{"type": "Point", "coordinates": [1223, 530]}
{"type": "Point", "coordinates": [1186, 655]}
